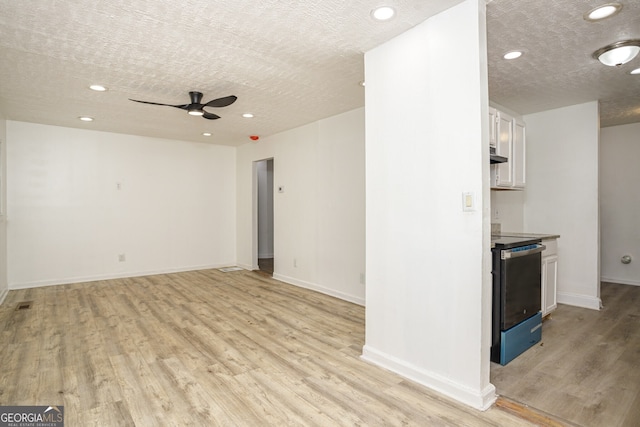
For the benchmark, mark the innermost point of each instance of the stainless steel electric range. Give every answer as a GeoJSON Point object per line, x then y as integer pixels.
{"type": "Point", "coordinates": [516, 318]}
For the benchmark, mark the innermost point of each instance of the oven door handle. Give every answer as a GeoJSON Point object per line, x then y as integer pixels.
{"type": "Point", "coordinates": [510, 253]}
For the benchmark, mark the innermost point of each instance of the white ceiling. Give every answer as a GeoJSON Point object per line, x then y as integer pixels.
{"type": "Point", "coordinates": [557, 69]}
{"type": "Point", "coordinates": [289, 62]}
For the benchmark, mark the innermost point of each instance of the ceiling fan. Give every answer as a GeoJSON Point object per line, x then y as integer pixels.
{"type": "Point", "coordinates": [196, 108]}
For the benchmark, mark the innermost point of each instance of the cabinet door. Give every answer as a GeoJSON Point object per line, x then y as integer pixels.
{"type": "Point", "coordinates": [503, 171]}
{"type": "Point", "coordinates": [549, 283]}
{"type": "Point", "coordinates": [492, 126]}
{"type": "Point", "coordinates": [518, 154]}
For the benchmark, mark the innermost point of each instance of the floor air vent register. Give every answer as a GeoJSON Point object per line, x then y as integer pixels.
{"type": "Point", "coordinates": [24, 305]}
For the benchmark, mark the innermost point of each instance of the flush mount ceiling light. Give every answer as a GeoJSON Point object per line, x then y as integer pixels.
{"type": "Point", "coordinates": [86, 118]}
{"type": "Point", "coordinates": [247, 115]}
{"type": "Point", "coordinates": [634, 72]}
{"type": "Point", "coordinates": [513, 54]}
{"type": "Point", "coordinates": [383, 13]}
{"type": "Point", "coordinates": [603, 11]}
{"type": "Point", "coordinates": [618, 53]}
{"type": "Point", "coordinates": [206, 133]}
{"type": "Point", "coordinates": [98, 88]}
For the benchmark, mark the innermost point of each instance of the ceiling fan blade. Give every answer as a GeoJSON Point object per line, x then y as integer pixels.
{"type": "Point", "coordinates": [210, 116]}
{"type": "Point", "coordinates": [157, 103]}
{"type": "Point", "coordinates": [222, 102]}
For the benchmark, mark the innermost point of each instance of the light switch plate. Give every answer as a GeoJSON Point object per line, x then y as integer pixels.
{"type": "Point", "coordinates": [468, 201]}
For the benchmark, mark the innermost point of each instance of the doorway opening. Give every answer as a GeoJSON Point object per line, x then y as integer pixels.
{"type": "Point", "coordinates": [263, 226]}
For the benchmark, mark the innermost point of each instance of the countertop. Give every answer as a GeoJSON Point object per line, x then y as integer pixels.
{"type": "Point", "coordinates": [526, 235]}
{"type": "Point", "coordinates": [509, 239]}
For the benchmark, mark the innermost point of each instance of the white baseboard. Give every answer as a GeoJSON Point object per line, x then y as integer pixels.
{"type": "Point", "coordinates": [68, 280]}
{"type": "Point", "coordinates": [577, 300]}
{"type": "Point", "coordinates": [247, 266]}
{"type": "Point", "coordinates": [479, 399]}
{"type": "Point", "coordinates": [620, 281]}
{"type": "Point", "coordinates": [3, 295]}
{"type": "Point", "coordinates": [327, 291]}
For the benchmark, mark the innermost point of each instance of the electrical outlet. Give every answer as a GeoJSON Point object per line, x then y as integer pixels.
{"type": "Point", "coordinates": [122, 258]}
{"type": "Point", "coordinates": [295, 262]}
{"type": "Point", "coordinates": [362, 279]}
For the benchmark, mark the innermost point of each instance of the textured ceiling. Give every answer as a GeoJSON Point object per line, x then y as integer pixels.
{"type": "Point", "coordinates": [557, 68]}
{"type": "Point", "coordinates": [289, 62]}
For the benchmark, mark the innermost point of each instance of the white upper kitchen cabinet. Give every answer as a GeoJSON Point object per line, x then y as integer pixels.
{"type": "Point", "coordinates": [510, 143]}
{"type": "Point", "coordinates": [518, 150]}
{"type": "Point", "coordinates": [492, 126]}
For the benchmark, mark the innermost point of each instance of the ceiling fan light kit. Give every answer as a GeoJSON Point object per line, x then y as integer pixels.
{"type": "Point", "coordinates": [618, 53]}
{"type": "Point", "coordinates": [196, 112]}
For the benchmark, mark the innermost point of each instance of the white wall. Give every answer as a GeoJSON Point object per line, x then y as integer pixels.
{"type": "Point", "coordinates": [4, 286]}
{"type": "Point", "coordinates": [562, 195]}
{"type": "Point", "coordinates": [319, 240]}
{"type": "Point", "coordinates": [620, 202]}
{"type": "Point", "coordinates": [69, 222]}
{"type": "Point", "coordinates": [428, 305]}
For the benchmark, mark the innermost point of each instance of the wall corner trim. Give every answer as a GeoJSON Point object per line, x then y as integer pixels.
{"type": "Point", "coordinates": [478, 399]}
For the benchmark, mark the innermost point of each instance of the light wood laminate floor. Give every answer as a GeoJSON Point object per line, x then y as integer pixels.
{"type": "Point", "coordinates": [207, 348]}
{"type": "Point", "coordinates": [587, 367]}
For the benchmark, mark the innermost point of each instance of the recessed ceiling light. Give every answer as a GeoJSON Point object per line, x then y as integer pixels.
{"type": "Point", "coordinates": [634, 72]}
{"type": "Point", "coordinates": [383, 13]}
{"type": "Point", "coordinates": [247, 115]}
{"type": "Point", "coordinates": [513, 54]}
{"type": "Point", "coordinates": [86, 118]}
{"type": "Point", "coordinates": [603, 11]}
{"type": "Point", "coordinates": [98, 88]}
{"type": "Point", "coordinates": [206, 133]}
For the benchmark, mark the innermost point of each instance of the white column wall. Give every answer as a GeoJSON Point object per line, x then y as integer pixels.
{"type": "Point", "coordinates": [319, 239]}
{"type": "Point", "coordinates": [69, 222]}
{"type": "Point", "coordinates": [562, 195]}
{"type": "Point", "coordinates": [428, 302]}
{"type": "Point", "coordinates": [620, 203]}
